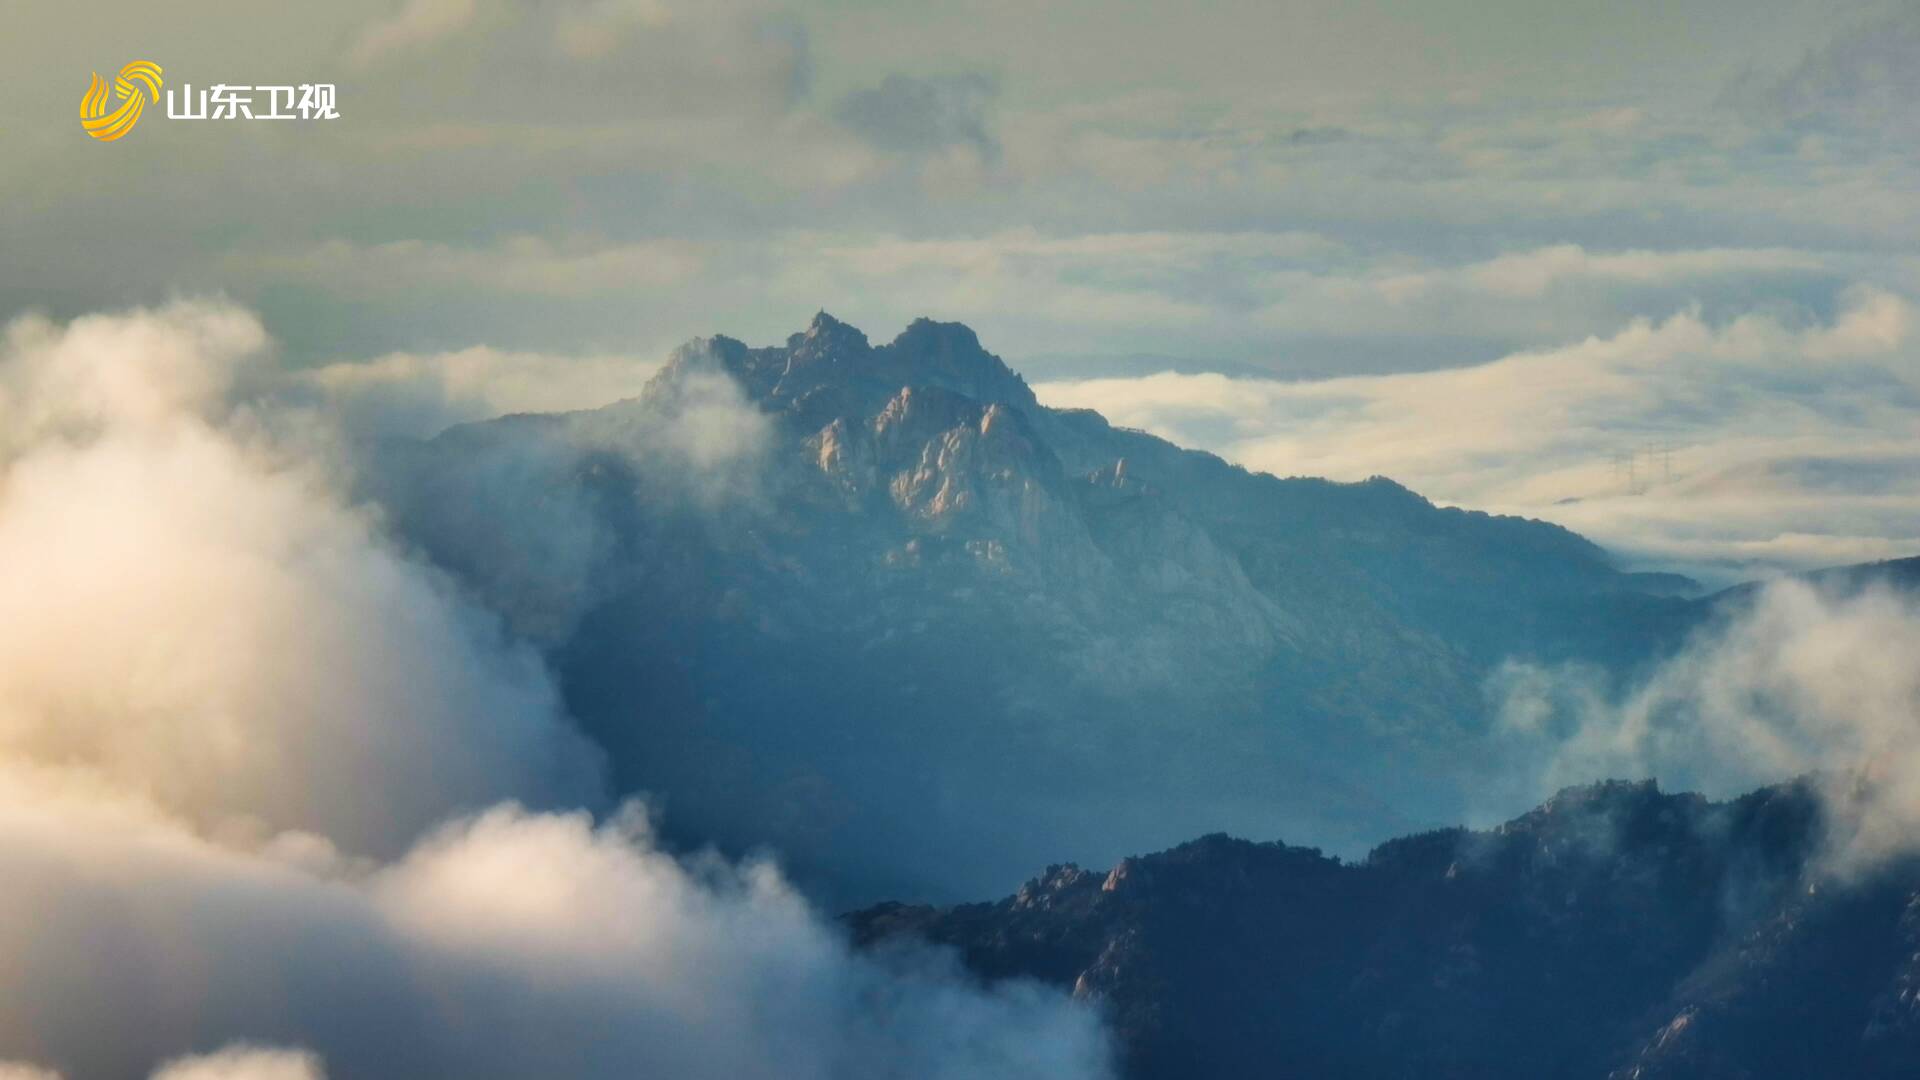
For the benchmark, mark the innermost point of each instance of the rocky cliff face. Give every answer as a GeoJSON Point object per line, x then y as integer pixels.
{"type": "Point", "coordinates": [877, 607]}
{"type": "Point", "coordinates": [1614, 931]}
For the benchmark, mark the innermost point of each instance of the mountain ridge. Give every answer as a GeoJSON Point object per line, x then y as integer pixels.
{"type": "Point", "coordinates": [822, 595]}
{"type": "Point", "coordinates": [1614, 930]}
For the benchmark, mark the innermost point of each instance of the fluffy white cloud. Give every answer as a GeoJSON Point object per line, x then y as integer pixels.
{"type": "Point", "coordinates": [505, 945]}
{"type": "Point", "coordinates": [115, 374]}
{"type": "Point", "coordinates": [192, 616]}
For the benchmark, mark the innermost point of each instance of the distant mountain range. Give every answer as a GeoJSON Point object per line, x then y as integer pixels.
{"type": "Point", "coordinates": [877, 608]}
{"type": "Point", "coordinates": [1615, 931]}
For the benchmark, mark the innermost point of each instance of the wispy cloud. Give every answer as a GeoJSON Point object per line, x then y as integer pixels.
{"type": "Point", "coordinates": [423, 394]}
{"type": "Point", "coordinates": [1794, 680]}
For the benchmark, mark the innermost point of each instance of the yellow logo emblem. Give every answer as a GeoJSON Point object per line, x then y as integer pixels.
{"type": "Point", "coordinates": [108, 126]}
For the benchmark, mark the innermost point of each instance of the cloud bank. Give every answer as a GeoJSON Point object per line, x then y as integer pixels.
{"type": "Point", "coordinates": [504, 945]}
{"type": "Point", "coordinates": [271, 790]}
{"type": "Point", "coordinates": [1722, 447]}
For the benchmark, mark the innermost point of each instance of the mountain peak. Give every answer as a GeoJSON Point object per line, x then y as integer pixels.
{"type": "Point", "coordinates": [925, 334]}
{"type": "Point", "coordinates": [831, 367]}
{"type": "Point", "coordinates": [826, 333]}
{"type": "Point", "coordinates": [949, 354]}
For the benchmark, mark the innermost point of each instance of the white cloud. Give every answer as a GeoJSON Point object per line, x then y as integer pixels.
{"type": "Point", "coordinates": [504, 945]}
{"type": "Point", "coordinates": [1797, 681]}
{"type": "Point", "coordinates": [244, 1063]}
{"type": "Point", "coordinates": [1875, 323]}
{"type": "Point", "coordinates": [181, 607]}
{"type": "Point", "coordinates": [75, 380]}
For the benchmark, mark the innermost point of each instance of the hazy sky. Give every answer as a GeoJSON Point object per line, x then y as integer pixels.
{"type": "Point", "coordinates": [1302, 189]}
{"type": "Point", "coordinates": [1215, 181]}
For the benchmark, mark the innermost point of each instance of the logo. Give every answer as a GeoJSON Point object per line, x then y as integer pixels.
{"type": "Point", "coordinates": [108, 126]}
{"type": "Point", "coordinates": [223, 101]}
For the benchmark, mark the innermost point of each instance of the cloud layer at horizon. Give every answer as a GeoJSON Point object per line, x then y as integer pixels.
{"type": "Point", "coordinates": [1722, 448]}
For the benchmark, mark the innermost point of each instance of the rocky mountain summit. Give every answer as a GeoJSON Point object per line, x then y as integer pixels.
{"type": "Point", "coordinates": [1614, 931]}
{"type": "Point", "coordinates": [879, 608]}
{"type": "Point", "coordinates": [829, 371]}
